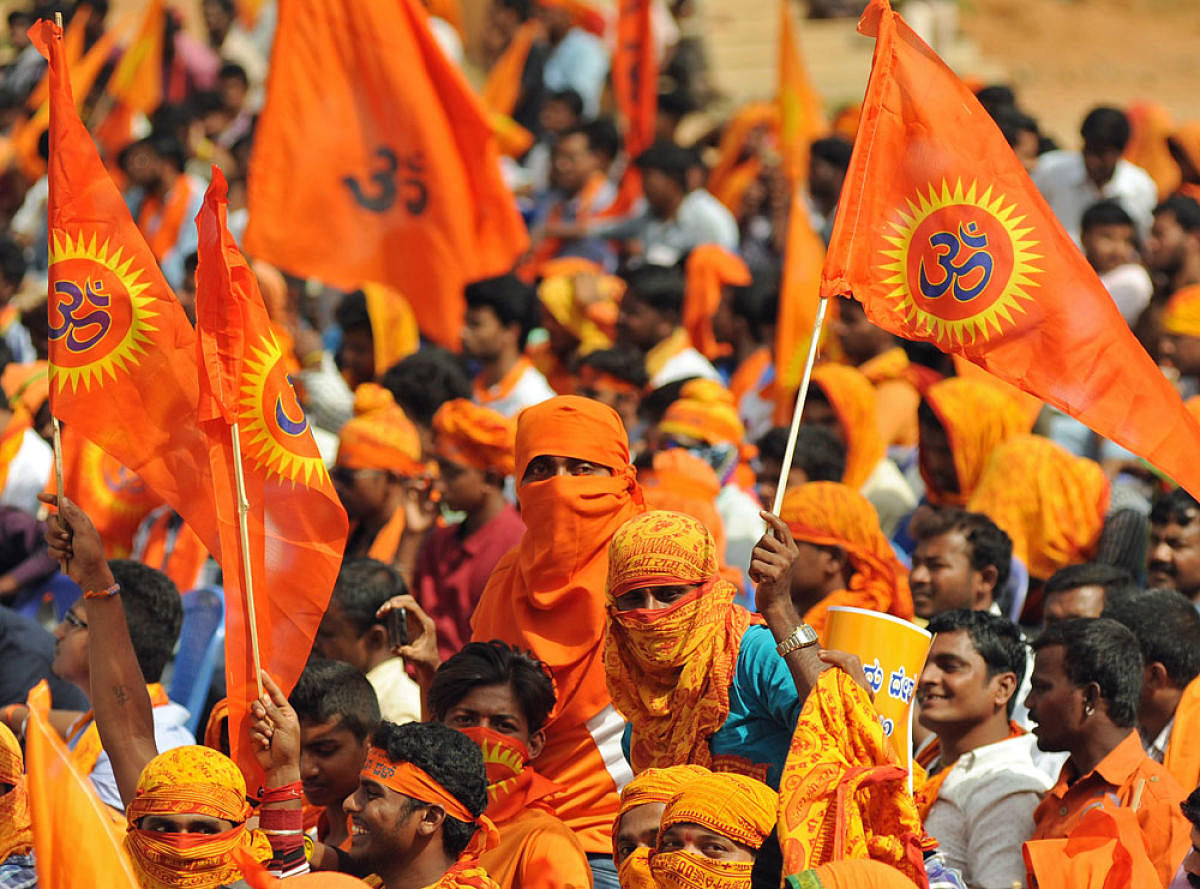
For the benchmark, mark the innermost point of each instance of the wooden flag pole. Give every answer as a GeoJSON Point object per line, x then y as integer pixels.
{"type": "Point", "coordinates": [54, 424]}
{"type": "Point", "coordinates": [801, 395]}
{"type": "Point", "coordinates": [243, 509]}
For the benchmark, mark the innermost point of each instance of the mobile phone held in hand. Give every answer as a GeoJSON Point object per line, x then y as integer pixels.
{"type": "Point", "coordinates": [397, 627]}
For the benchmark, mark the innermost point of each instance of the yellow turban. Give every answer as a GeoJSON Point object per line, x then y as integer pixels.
{"type": "Point", "coordinates": [735, 806]}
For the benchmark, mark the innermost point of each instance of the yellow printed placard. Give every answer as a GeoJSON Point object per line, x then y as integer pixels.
{"type": "Point", "coordinates": [893, 654]}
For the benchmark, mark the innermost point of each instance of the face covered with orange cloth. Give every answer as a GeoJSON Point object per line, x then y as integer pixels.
{"type": "Point", "coordinates": [635, 830]}
{"type": "Point", "coordinates": [673, 638]}
{"type": "Point", "coordinates": [202, 791]}
{"type": "Point", "coordinates": [16, 832]}
{"type": "Point", "coordinates": [824, 518]}
{"type": "Point", "coordinates": [711, 831]}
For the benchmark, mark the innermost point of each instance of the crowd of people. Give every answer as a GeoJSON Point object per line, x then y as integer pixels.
{"type": "Point", "coordinates": [570, 645]}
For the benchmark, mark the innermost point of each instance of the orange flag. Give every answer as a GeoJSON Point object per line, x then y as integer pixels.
{"type": "Point", "coordinates": [122, 353]}
{"type": "Point", "coordinates": [943, 238]}
{"type": "Point", "coordinates": [375, 161]}
{"type": "Point", "coordinates": [136, 85]}
{"type": "Point", "coordinates": [800, 122]}
{"type": "Point", "coordinates": [635, 88]}
{"type": "Point", "coordinates": [297, 526]}
{"type": "Point", "coordinates": [74, 843]}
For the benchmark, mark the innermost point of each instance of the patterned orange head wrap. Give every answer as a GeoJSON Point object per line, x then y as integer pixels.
{"type": "Point", "coordinates": [852, 398]}
{"type": "Point", "coordinates": [415, 783]}
{"type": "Point", "coordinates": [650, 786]}
{"type": "Point", "coordinates": [705, 410]}
{"type": "Point", "coordinates": [198, 781]}
{"type": "Point", "coordinates": [735, 806]}
{"type": "Point", "coordinates": [585, 304]}
{"type": "Point", "coordinates": [710, 268]}
{"type": "Point", "coordinates": [679, 481]}
{"type": "Point", "coordinates": [829, 514]}
{"type": "Point", "coordinates": [16, 831]}
{"type": "Point", "coordinates": [379, 435]}
{"type": "Point", "coordinates": [475, 436]}
{"type": "Point", "coordinates": [1182, 314]}
{"type": "Point", "coordinates": [977, 418]}
{"type": "Point", "coordinates": [1050, 502]}
{"type": "Point", "coordinates": [669, 670]}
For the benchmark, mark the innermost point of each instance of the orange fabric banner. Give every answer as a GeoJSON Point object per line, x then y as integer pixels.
{"type": "Point", "coordinates": [375, 161]}
{"type": "Point", "coordinates": [297, 526]}
{"type": "Point", "coordinates": [800, 122]}
{"type": "Point", "coordinates": [122, 353]}
{"type": "Point", "coordinates": [74, 842]}
{"type": "Point", "coordinates": [943, 238]}
{"type": "Point", "coordinates": [137, 81]}
{"type": "Point", "coordinates": [635, 89]}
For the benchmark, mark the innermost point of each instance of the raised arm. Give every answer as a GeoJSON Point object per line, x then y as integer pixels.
{"type": "Point", "coordinates": [118, 690]}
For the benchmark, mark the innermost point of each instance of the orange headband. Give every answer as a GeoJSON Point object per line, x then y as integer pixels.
{"type": "Point", "coordinates": [406, 778]}
{"type": "Point", "coordinates": [598, 379]}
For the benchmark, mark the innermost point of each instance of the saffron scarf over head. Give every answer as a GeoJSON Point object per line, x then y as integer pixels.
{"type": "Point", "coordinates": [474, 436]}
{"type": "Point", "coordinates": [852, 398]}
{"type": "Point", "coordinates": [670, 669]}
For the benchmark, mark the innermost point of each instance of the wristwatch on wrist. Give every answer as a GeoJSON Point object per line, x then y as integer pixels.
{"type": "Point", "coordinates": [801, 637]}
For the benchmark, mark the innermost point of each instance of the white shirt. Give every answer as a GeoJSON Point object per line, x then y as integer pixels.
{"type": "Point", "coordinates": [688, 363]}
{"type": "Point", "coordinates": [399, 697]}
{"type": "Point", "coordinates": [1063, 181]}
{"type": "Point", "coordinates": [889, 492]}
{"type": "Point", "coordinates": [984, 812]}
{"type": "Point", "coordinates": [742, 523]}
{"type": "Point", "coordinates": [27, 473]}
{"type": "Point", "coordinates": [1157, 749]}
{"type": "Point", "coordinates": [530, 388]}
{"type": "Point", "coordinates": [1131, 288]}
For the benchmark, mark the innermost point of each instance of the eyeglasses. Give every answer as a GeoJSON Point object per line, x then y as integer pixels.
{"type": "Point", "coordinates": [74, 620]}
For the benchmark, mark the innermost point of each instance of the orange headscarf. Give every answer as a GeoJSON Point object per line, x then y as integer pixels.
{"type": "Point", "coordinates": [1050, 502]}
{"type": "Point", "coordinates": [1182, 314]}
{"type": "Point", "coordinates": [583, 300]}
{"type": "Point", "coordinates": [16, 830]}
{"type": "Point", "coordinates": [379, 435]}
{"type": "Point", "coordinates": [669, 670]}
{"type": "Point", "coordinates": [829, 514]}
{"type": "Point", "coordinates": [190, 780]}
{"type": "Point", "coordinates": [704, 410]}
{"type": "Point", "coordinates": [1150, 124]}
{"type": "Point", "coordinates": [731, 805]}
{"type": "Point", "coordinates": [475, 436]}
{"type": "Point", "coordinates": [547, 594]}
{"type": "Point", "coordinates": [651, 786]}
{"type": "Point", "coordinates": [393, 325]}
{"type": "Point", "coordinates": [852, 398]}
{"type": "Point", "coordinates": [977, 419]}
{"type": "Point", "coordinates": [1186, 139]}
{"type": "Point", "coordinates": [733, 172]}
{"type": "Point", "coordinates": [710, 268]}
{"type": "Point", "coordinates": [844, 792]}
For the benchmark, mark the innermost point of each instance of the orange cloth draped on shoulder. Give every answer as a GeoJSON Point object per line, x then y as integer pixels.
{"type": "Point", "coordinates": [1104, 851]}
{"type": "Point", "coordinates": [26, 385]}
{"type": "Point", "coordinates": [1150, 124]}
{"type": "Point", "coordinates": [393, 325]}
{"type": "Point", "coordinates": [977, 418]}
{"type": "Point", "coordinates": [16, 832]}
{"type": "Point", "coordinates": [474, 436]}
{"type": "Point", "coordinates": [1050, 502]}
{"type": "Point", "coordinates": [1183, 750]}
{"type": "Point", "coordinates": [896, 394]}
{"type": "Point", "coordinates": [710, 269]}
{"type": "Point", "coordinates": [851, 873]}
{"type": "Point", "coordinates": [853, 399]}
{"type": "Point", "coordinates": [669, 669]}
{"type": "Point", "coordinates": [735, 170]}
{"type": "Point", "coordinates": [191, 780]}
{"type": "Point", "coordinates": [829, 514]}
{"type": "Point", "coordinates": [843, 793]}
{"type": "Point", "coordinates": [547, 595]}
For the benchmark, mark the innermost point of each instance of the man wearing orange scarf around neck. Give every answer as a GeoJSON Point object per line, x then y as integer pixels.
{"type": "Point", "coordinates": [576, 488]}
{"type": "Point", "coordinates": [500, 698]}
{"type": "Point", "coordinates": [845, 559]}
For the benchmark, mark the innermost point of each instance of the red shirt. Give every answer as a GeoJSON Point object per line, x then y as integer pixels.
{"type": "Point", "coordinates": [452, 571]}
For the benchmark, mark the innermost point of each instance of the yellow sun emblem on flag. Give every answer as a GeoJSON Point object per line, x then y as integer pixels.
{"type": "Point", "coordinates": [100, 319]}
{"type": "Point", "coordinates": [276, 431]}
{"type": "Point", "coordinates": [961, 263]}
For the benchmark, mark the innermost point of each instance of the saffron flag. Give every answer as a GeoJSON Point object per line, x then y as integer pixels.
{"type": "Point", "coordinates": [297, 526]}
{"type": "Point", "coordinates": [800, 122]}
{"type": "Point", "coordinates": [136, 85]}
{"type": "Point", "coordinates": [122, 353]}
{"type": "Point", "coordinates": [943, 238]}
{"type": "Point", "coordinates": [635, 88]}
{"type": "Point", "coordinates": [375, 161]}
{"type": "Point", "coordinates": [74, 843]}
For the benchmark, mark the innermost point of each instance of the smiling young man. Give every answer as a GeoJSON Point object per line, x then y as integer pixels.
{"type": "Point", "coordinates": [417, 807]}
{"type": "Point", "coordinates": [500, 698]}
{"type": "Point", "coordinates": [1087, 679]}
{"type": "Point", "coordinates": [962, 560]}
{"type": "Point", "coordinates": [983, 785]}
{"type": "Point", "coordinates": [1173, 559]}
{"type": "Point", "coordinates": [338, 712]}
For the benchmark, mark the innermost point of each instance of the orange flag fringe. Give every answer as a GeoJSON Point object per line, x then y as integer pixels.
{"type": "Point", "coordinates": [122, 353]}
{"type": "Point", "coordinates": [943, 238]}
{"type": "Point", "coordinates": [800, 122]}
{"type": "Point", "coordinates": [74, 843]}
{"type": "Point", "coordinates": [297, 526]}
{"type": "Point", "coordinates": [375, 161]}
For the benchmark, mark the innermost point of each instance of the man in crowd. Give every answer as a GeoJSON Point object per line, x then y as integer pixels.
{"type": "Point", "coordinates": [1084, 591]}
{"type": "Point", "coordinates": [1173, 560]}
{"type": "Point", "coordinates": [649, 321]}
{"type": "Point", "coordinates": [962, 560]}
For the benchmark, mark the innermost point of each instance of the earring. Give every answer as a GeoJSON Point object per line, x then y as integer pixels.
{"type": "Point", "coordinates": [1088, 709]}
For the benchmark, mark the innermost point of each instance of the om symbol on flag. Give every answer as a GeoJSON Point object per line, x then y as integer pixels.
{"type": "Point", "coordinates": [946, 247]}
{"type": "Point", "coordinates": [93, 319]}
{"type": "Point", "coordinates": [385, 188]}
